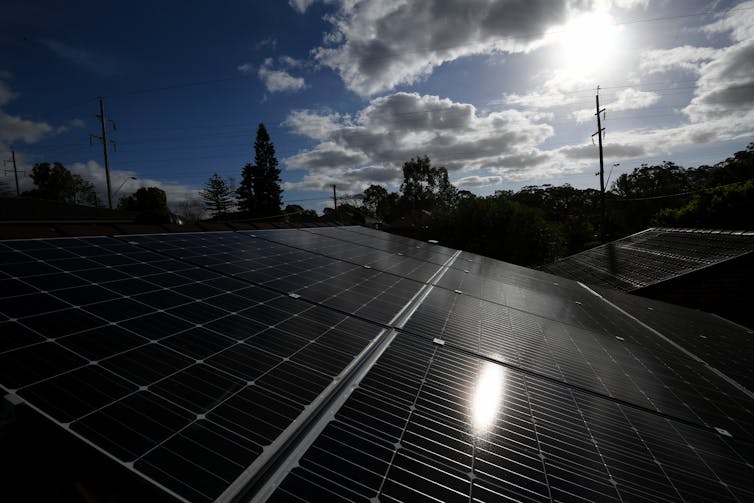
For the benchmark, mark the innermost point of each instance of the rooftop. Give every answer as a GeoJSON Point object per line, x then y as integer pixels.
{"type": "Point", "coordinates": [347, 363]}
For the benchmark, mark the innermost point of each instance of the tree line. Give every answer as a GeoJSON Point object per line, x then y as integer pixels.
{"type": "Point", "coordinates": [537, 224]}
{"type": "Point", "coordinates": [531, 226]}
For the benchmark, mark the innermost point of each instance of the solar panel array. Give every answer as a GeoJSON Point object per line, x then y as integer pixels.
{"type": "Point", "coordinates": [650, 256]}
{"type": "Point", "coordinates": [350, 364]}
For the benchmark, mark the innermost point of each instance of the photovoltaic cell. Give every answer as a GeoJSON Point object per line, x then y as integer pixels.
{"type": "Point", "coordinates": [721, 344]}
{"type": "Point", "coordinates": [142, 371]}
{"type": "Point", "coordinates": [188, 357]}
{"type": "Point", "coordinates": [418, 428]}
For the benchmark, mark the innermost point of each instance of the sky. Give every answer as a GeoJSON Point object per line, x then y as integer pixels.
{"type": "Point", "coordinates": [500, 92]}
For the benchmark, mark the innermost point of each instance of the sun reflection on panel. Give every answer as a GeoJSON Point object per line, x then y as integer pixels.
{"type": "Point", "coordinates": [488, 397]}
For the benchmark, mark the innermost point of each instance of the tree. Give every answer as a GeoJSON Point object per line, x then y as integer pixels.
{"type": "Point", "coordinates": [150, 202]}
{"type": "Point", "coordinates": [498, 227]}
{"type": "Point", "coordinates": [55, 182]}
{"type": "Point", "coordinates": [218, 195]}
{"type": "Point", "coordinates": [726, 207]}
{"type": "Point", "coordinates": [425, 186]}
{"type": "Point", "coordinates": [297, 213]}
{"type": "Point", "coordinates": [145, 199]}
{"type": "Point", "coordinates": [191, 210]}
{"type": "Point", "coordinates": [373, 198]}
{"type": "Point", "coordinates": [259, 192]}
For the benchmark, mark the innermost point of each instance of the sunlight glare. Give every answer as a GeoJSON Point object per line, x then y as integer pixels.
{"type": "Point", "coordinates": [587, 42]}
{"type": "Point", "coordinates": [488, 396]}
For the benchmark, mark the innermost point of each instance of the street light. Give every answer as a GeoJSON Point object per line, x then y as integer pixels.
{"type": "Point", "coordinates": [122, 184]}
{"type": "Point", "coordinates": [611, 172]}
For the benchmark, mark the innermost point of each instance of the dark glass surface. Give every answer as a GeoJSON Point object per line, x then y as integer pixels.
{"type": "Point", "coordinates": [184, 356]}
{"type": "Point", "coordinates": [430, 422]}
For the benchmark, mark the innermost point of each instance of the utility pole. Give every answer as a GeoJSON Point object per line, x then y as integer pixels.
{"type": "Point", "coordinates": [15, 169]}
{"type": "Point", "coordinates": [334, 200]}
{"type": "Point", "coordinates": [103, 139]}
{"type": "Point", "coordinates": [600, 132]}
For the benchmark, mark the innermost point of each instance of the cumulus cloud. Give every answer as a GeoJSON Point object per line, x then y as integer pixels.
{"type": "Point", "coordinates": [280, 80]}
{"type": "Point", "coordinates": [6, 93]}
{"type": "Point", "coordinates": [720, 107]}
{"type": "Point", "coordinates": [556, 88]}
{"type": "Point", "coordinates": [300, 6]}
{"type": "Point", "coordinates": [270, 42]}
{"type": "Point", "coordinates": [684, 57]}
{"type": "Point", "coordinates": [376, 45]}
{"type": "Point", "coordinates": [14, 128]}
{"type": "Point", "coordinates": [349, 180]}
{"type": "Point", "coordinates": [738, 22]}
{"type": "Point", "coordinates": [372, 144]}
{"type": "Point", "coordinates": [725, 85]}
{"type": "Point", "coordinates": [475, 181]}
{"type": "Point", "coordinates": [93, 172]}
{"type": "Point", "coordinates": [326, 156]}
{"type": "Point", "coordinates": [274, 74]}
{"type": "Point", "coordinates": [628, 99]}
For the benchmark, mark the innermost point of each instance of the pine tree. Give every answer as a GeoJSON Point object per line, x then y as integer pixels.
{"type": "Point", "coordinates": [217, 195]}
{"type": "Point", "coordinates": [259, 192]}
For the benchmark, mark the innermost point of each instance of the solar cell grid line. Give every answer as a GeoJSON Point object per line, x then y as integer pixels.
{"type": "Point", "coordinates": [169, 387]}
{"type": "Point", "coordinates": [664, 405]}
{"type": "Point", "coordinates": [452, 279]}
{"type": "Point", "coordinates": [586, 316]}
{"type": "Point", "coordinates": [338, 289]}
{"type": "Point", "coordinates": [388, 242]}
{"type": "Point", "coordinates": [600, 364]}
{"type": "Point", "coordinates": [447, 281]}
{"type": "Point", "coordinates": [374, 233]}
{"type": "Point", "coordinates": [728, 349]}
{"type": "Point", "coordinates": [428, 422]}
{"type": "Point", "coordinates": [350, 252]}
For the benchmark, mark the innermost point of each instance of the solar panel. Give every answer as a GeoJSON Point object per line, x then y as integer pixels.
{"type": "Point", "coordinates": [651, 256]}
{"type": "Point", "coordinates": [429, 422]}
{"type": "Point", "coordinates": [346, 364]}
{"type": "Point", "coordinates": [182, 374]}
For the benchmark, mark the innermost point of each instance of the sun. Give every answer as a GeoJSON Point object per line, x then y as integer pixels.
{"type": "Point", "coordinates": [586, 43]}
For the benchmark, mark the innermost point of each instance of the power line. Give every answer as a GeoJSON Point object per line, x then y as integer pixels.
{"type": "Point", "coordinates": [519, 37]}
{"type": "Point", "coordinates": [622, 199]}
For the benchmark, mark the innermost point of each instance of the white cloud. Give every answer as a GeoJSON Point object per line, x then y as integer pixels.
{"type": "Point", "coordinates": [326, 156]}
{"type": "Point", "coordinates": [277, 79]}
{"type": "Point", "coordinates": [738, 22]}
{"type": "Point", "coordinates": [558, 88]}
{"type": "Point", "coordinates": [684, 57]}
{"type": "Point", "coordinates": [348, 180]}
{"type": "Point", "coordinates": [13, 128]}
{"type": "Point", "coordinates": [628, 99]}
{"type": "Point", "coordinates": [280, 80]}
{"type": "Point", "coordinates": [300, 6]}
{"type": "Point", "coordinates": [245, 68]}
{"type": "Point", "coordinates": [379, 45]}
{"type": "Point", "coordinates": [270, 42]}
{"type": "Point", "coordinates": [94, 172]}
{"type": "Point", "coordinates": [392, 129]}
{"type": "Point", "coordinates": [475, 181]}
{"type": "Point", "coordinates": [6, 93]}
{"type": "Point", "coordinates": [726, 84]}
{"type": "Point", "coordinates": [317, 125]}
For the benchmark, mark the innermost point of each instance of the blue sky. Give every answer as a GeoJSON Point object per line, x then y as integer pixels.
{"type": "Point", "coordinates": [501, 92]}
